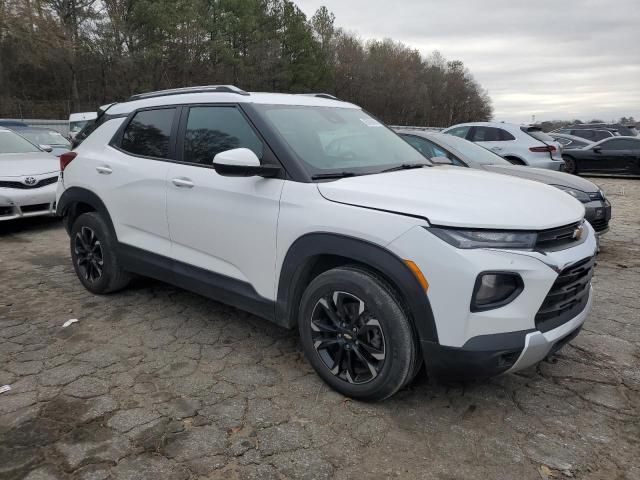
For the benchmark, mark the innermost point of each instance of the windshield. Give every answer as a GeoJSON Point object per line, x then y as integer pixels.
{"type": "Point", "coordinates": [45, 137]}
{"type": "Point", "coordinates": [77, 126]}
{"type": "Point", "coordinates": [471, 151]}
{"type": "Point", "coordinates": [330, 139]}
{"type": "Point", "coordinates": [13, 143]}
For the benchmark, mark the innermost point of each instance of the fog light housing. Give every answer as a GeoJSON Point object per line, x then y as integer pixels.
{"type": "Point", "coordinates": [495, 290]}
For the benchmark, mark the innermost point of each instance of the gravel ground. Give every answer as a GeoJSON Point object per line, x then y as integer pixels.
{"type": "Point", "coordinates": [155, 382]}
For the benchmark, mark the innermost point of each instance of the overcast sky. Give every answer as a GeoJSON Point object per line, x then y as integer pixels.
{"type": "Point", "coordinates": [555, 59]}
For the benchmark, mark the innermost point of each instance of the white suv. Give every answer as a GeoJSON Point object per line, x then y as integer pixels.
{"type": "Point", "coordinates": [310, 213]}
{"type": "Point", "coordinates": [520, 144]}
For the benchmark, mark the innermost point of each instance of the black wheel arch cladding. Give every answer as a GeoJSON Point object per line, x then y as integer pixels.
{"type": "Point", "coordinates": [300, 259]}
{"type": "Point", "coordinates": [72, 197]}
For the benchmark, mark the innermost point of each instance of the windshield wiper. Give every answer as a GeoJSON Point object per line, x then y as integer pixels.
{"type": "Point", "coordinates": [322, 176]}
{"type": "Point", "coordinates": [405, 166]}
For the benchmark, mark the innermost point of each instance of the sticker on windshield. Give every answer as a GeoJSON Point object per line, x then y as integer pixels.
{"type": "Point", "coordinates": [370, 122]}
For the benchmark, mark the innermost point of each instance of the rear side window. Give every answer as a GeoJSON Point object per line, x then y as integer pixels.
{"type": "Point", "coordinates": [148, 133]}
{"type": "Point", "coordinates": [211, 130]}
{"type": "Point", "coordinates": [491, 134]}
{"type": "Point", "coordinates": [458, 132]}
{"type": "Point", "coordinates": [621, 144]}
{"type": "Point", "coordinates": [588, 134]}
{"type": "Point", "coordinates": [538, 134]}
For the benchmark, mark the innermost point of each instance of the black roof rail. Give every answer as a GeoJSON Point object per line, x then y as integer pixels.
{"type": "Point", "coordinates": [185, 90]}
{"type": "Point", "coordinates": [321, 95]}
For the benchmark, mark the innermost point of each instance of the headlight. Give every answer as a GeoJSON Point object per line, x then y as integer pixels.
{"type": "Point", "coordinates": [495, 289]}
{"type": "Point", "coordinates": [577, 194]}
{"type": "Point", "coordinates": [485, 238]}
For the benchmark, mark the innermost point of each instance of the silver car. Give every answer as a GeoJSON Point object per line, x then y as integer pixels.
{"type": "Point", "coordinates": [448, 149]}
{"type": "Point", "coordinates": [28, 178]}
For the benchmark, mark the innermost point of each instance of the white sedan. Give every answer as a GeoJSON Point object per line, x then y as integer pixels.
{"type": "Point", "coordinates": [28, 178]}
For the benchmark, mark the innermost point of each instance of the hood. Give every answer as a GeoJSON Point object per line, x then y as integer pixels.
{"type": "Point", "coordinates": [550, 177]}
{"type": "Point", "coordinates": [459, 197]}
{"type": "Point", "coordinates": [23, 164]}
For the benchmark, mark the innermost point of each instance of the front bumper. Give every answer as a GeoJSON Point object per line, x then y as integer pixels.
{"type": "Point", "coordinates": [508, 338]}
{"type": "Point", "coordinates": [15, 203]}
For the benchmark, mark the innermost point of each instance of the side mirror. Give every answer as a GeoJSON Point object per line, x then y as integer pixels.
{"type": "Point", "coordinates": [441, 161]}
{"type": "Point", "coordinates": [46, 148]}
{"type": "Point", "coordinates": [597, 149]}
{"type": "Point", "coordinates": [242, 162]}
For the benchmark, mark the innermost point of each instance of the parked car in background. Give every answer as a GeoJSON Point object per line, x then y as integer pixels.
{"type": "Point", "coordinates": [519, 144]}
{"type": "Point", "coordinates": [309, 212]}
{"type": "Point", "coordinates": [78, 120]}
{"type": "Point", "coordinates": [593, 134]}
{"type": "Point", "coordinates": [615, 155]}
{"type": "Point", "coordinates": [588, 130]}
{"type": "Point", "coordinates": [48, 140]}
{"type": "Point", "coordinates": [28, 178]}
{"type": "Point", "coordinates": [12, 123]}
{"type": "Point", "coordinates": [463, 153]}
{"type": "Point", "coordinates": [570, 141]}
{"type": "Point", "coordinates": [101, 117]}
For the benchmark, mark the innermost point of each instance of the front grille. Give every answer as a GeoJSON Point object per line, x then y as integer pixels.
{"type": "Point", "coordinates": [4, 211]}
{"type": "Point", "coordinates": [568, 295]}
{"type": "Point", "coordinates": [34, 208]}
{"type": "Point", "coordinates": [557, 237]}
{"type": "Point", "coordinates": [600, 225]}
{"type": "Point", "coordinates": [21, 186]}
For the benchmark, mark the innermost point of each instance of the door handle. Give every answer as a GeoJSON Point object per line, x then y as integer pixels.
{"type": "Point", "coordinates": [104, 170]}
{"type": "Point", "coordinates": [182, 183]}
{"type": "Point", "coordinates": [496, 148]}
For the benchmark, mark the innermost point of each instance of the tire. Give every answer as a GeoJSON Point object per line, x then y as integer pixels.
{"type": "Point", "coordinates": [93, 253]}
{"type": "Point", "coordinates": [514, 160]}
{"type": "Point", "coordinates": [349, 315]}
{"type": "Point", "coordinates": [569, 165]}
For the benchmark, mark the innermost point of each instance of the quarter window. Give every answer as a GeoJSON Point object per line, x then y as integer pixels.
{"type": "Point", "coordinates": [211, 130]}
{"type": "Point", "coordinates": [148, 133]}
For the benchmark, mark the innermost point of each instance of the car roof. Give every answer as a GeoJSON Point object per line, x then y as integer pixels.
{"type": "Point", "coordinates": [504, 125]}
{"type": "Point", "coordinates": [570, 137]}
{"type": "Point", "coordinates": [209, 94]}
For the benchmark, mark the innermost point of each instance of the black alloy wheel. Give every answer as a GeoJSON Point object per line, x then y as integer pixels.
{"type": "Point", "coordinates": [347, 337]}
{"type": "Point", "coordinates": [89, 256]}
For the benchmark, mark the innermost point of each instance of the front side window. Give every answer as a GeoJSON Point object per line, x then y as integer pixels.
{"type": "Point", "coordinates": [148, 133]}
{"type": "Point", "coordinates": [621, 144]}
{"type": "Point", "coordinates": [458, 132]}
{"type": "Point", "coordinates": [13, 143]}
{"type": "Point", "coordinates": [430, 149]}
{"type": "Point", "coordinates": [211, 130]}
{"type": "Point", "coordinates": [334, 139]}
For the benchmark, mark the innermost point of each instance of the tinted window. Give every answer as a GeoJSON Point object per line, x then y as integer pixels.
{"type": "Point", "coordinates": [148, 133]}
{"type": "Point", "coordinates": [588, 134]}
{"type": "Point", "coordinates": [420, 144]}
{"type": "Point", "coordinates": [621, 144]}
{"type": "Point", "coordinates": [211, 130]}
{"type": "Point", "coordinates": [490, 134]}
{"type": "Point", "coordinates": [562, 141]}
{"type": "Point", "coordinates": [458, 132]}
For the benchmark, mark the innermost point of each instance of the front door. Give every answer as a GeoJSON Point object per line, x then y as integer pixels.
{"type": "Point", "coordinates": [225, 225]}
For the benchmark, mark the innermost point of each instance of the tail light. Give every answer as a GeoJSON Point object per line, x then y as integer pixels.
{"type": "Point", "coordinates": [546, 148]}
{"type": "Point", "coordinates": [65, 159]}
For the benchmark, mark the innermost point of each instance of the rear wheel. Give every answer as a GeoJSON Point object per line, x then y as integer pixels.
{"type": "Point", "coordinates": [93, 253]}
{"type": "Point", "coordinates": [356, 334]}
{"type": "Point", "coordinates": [569, 164]}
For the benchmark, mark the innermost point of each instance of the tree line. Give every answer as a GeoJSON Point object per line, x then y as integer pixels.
{"type": "Point", "coordinates": [62, 56]}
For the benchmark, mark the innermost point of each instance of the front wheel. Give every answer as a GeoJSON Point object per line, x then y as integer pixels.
{"type": "Point", "coordinates": [356, 334]}
{"type": "Point", "coordinates": [569, 165]}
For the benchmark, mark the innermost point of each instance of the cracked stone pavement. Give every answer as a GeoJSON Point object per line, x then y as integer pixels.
{"type": "Point", "coordinates": [158, 383]}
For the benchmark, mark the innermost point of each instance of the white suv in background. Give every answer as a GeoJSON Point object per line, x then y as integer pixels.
{"type": "Point", "coordinates": [310, 213]}
{"type": "Point", "coordinates": [520, 144]}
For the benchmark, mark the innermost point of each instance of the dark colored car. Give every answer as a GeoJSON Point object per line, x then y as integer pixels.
{"type": "Point", "coordinates": [616, 155]}
{"type": "Point", "coordinates": [460, 152]}
{"type": "Point", "coordinates": [12, 123]}
{"type": "Point", "coordinates": [49, 140]}
{"type": "Point", "coordinates": [593, 134]}
{"type": "Point", "coordinates": [570, 141]}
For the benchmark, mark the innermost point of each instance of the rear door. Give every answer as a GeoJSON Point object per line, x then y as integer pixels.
{"type": "Point", "coordinates": [131, 178]}
{"type": "Point", "coordinates": [225, 225]}
{"type": "Point", "coordinates": [497, 140]}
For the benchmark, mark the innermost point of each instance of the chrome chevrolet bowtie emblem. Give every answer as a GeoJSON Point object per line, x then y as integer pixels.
{"type": "Point", "coordinates": [30, 181]}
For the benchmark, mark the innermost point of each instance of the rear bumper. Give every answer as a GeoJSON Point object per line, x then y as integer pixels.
{"type": "Point", "coordinates": [556, 165]}
{"type": "Point", "coordinates": [490, 355]}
